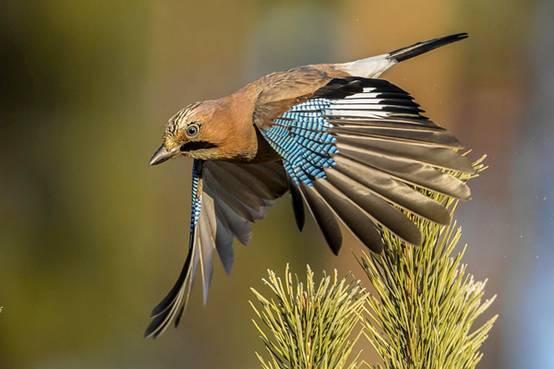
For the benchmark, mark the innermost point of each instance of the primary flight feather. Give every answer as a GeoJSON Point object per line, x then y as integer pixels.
{"type": "Point", "coordinates": [353, 148]}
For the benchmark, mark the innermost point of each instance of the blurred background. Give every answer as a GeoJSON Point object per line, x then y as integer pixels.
{"type": "Point", "coordinates": [91, 238]}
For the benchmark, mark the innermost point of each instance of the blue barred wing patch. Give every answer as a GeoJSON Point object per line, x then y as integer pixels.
{"type": "Point", "coordinates": [196, 206]}
{"type": "Point", "coordinates": [302, 138]}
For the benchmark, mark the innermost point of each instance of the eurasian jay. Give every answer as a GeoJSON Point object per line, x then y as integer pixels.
{"type": "Point", "coordinates": [351, 147]}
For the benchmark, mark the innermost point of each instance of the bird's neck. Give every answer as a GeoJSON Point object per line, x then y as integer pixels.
{"type": "Point", "coordinates": [234, 127]}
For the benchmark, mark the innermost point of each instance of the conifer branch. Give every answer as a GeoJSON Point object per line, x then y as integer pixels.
{"type": "Point", "coordinates": [309, 325]}
{"type": "Point", "coordinates": [423, 311]}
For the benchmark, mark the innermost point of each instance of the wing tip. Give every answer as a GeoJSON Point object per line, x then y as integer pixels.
{"type": "Point", "coordinates": [151, 331]}
{"type": "Point", "coordinates": [464, 192]}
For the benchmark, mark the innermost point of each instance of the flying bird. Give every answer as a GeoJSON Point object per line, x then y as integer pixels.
{"type": "Point", "coordinates": [348, 146]}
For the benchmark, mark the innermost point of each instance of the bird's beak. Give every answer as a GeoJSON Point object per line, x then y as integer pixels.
{"type": "Point", "coordinates": [161, 155]}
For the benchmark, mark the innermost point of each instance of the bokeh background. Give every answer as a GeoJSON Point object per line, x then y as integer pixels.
{"type": "Point", "coordinates": [91, 237]}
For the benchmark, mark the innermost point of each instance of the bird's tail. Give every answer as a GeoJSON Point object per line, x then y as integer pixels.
{"type": "Point", "coordinates": [374, 66]}
{"type": "Point", "coordinates": [424, 46]}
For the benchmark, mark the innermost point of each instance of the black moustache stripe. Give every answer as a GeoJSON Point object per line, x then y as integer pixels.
{"type": "Point", "coordinates": [196, 145]}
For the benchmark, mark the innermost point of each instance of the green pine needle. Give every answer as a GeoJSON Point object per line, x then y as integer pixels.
{"type": "Point", "coordinates": [423, 311]}
{"type": "Point", "coordinates": [309, 325]}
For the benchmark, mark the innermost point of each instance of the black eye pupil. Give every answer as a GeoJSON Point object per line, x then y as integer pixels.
{"type": "Point", "coordinates": [192, 130]}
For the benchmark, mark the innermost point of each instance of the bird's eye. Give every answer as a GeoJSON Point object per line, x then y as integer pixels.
{"type": "Point", "coordinates": [192, 130]}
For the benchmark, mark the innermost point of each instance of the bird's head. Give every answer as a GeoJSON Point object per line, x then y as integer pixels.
{"type": "Point", "coordinates": [192, 132]}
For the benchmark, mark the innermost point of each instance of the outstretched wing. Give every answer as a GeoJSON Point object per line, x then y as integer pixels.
{"type": "Point", "coordinates": [227, 198]}
{"type": "Point", "coordinates": [358, 150]}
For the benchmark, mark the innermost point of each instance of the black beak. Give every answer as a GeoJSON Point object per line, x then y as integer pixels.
{"type": "Point", "coordinates": [161, 155]}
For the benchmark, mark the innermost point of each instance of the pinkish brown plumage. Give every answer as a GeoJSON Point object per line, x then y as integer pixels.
{"type": "Point", "coordinates": [353, 148]}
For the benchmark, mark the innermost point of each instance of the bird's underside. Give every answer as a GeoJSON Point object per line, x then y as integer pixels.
{"type": "Point", "coordinates": [353, 150]}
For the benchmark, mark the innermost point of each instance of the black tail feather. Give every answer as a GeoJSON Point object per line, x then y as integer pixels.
{"type": "Point", "coordinates": [425, 46]}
